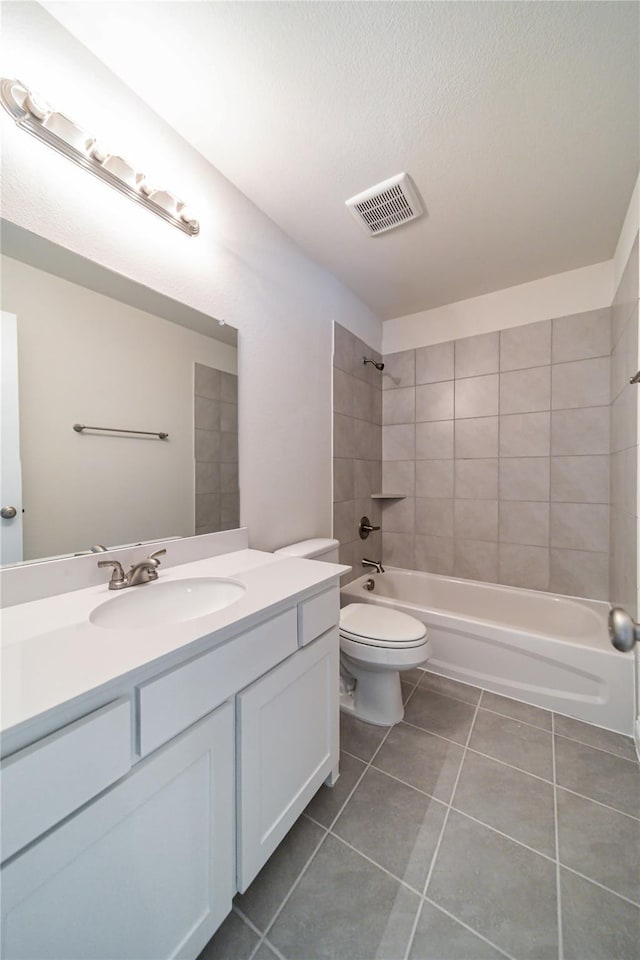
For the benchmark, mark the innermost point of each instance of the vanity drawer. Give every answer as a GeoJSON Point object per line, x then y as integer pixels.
{"type": "Point", "coordinates": [317, 615]}
{"type": "Point", "coordinates": [171, 703]}
{"type": "Point", "coordinates": [47, 781]}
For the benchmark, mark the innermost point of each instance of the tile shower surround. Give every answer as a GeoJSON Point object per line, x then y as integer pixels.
{"type": "Point", "coordinates": [216, 449]}
{"type": "Point", "coordinates": [501, 443]}
{"type": "Point", "coordinates": [357, 448]}
{"type": "Point", "coordinates": [479, 827]}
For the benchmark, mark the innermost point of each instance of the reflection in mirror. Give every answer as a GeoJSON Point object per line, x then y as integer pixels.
{"type": "Point", "coordinates": [82, 345]}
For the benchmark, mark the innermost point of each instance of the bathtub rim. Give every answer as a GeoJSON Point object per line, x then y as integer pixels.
{"type": "Point", "coordinates": [447, 617]}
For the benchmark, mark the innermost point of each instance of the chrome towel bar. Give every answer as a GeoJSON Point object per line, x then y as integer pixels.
{"type": "Point", "coordinates": [79, 427]}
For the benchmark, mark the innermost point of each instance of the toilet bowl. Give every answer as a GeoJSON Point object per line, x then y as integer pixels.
{"type": "Point", "coordinates": [376, 645]}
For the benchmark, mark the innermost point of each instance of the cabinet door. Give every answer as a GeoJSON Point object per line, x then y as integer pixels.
{"type": "Point", "coordinates": [144, 871]}
{"type": "Point", "coordinates": [288, 743]}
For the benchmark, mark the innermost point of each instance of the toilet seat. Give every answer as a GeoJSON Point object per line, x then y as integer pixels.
{"type": "Point", "coordinates": [375, 626]}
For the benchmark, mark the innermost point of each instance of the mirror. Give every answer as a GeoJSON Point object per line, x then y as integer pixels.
{"type": "Point", "coordinates": [84, 346]}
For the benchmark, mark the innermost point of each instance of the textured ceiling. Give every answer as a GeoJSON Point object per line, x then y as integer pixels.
{"type": "Point", "coordinates": [518, 123]}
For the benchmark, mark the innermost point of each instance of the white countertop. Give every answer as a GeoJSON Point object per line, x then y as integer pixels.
{"type": "Point", "coordinates": [53, 654]}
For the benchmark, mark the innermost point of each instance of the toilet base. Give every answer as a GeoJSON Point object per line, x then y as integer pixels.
{"type": "Point", "coordinates": [376, 698]}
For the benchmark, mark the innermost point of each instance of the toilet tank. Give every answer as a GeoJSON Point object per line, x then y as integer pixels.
{"type": "Point", "coordinates": [318, 549]}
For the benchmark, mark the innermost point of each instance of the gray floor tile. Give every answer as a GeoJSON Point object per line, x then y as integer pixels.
{"type": "Point", "coordinates": [519, 744]}
{"type": "Point", "coordinates": [407, 690]}
{"type": "Point", "coordinates": [234, 940]}
{"type": "Point", "coordinates": [345, 908]}
{"type": "Point", "coordinates": [515, 803]}
{"type": "Point", "coordinates": [450, 688]}
{"type": "Point", "coordinates": [327, 802]}
{"type": "Point", "coordinates": [394, 825]}
{"type": "Point", "coordinates": [421, 759]}
{"type": "Point", "coordinates": [431, 711]}
{"type": "Point", "coordinates": [516, 709]}
{"type": "Point", "coordinates": [412, 676]}
{"type": "Point", "coordinates": [265, 952]}
{"type": "Point", "coordinates": [439, 937]}
{"type": "Point", "coordinates": [597, 925]}
{"type": "Point", "coordinates": [276, 878]}
{"type": "Point", "coordinates": [499, 888]}
{"type": "Point", "coordinates": [600, 843]}
{"type": "Point", "coordinates": [598, 775]}
{"type": "Point", "coordinates": [359, 738]}
{"type": "Point", "coordinates": [595, 736]}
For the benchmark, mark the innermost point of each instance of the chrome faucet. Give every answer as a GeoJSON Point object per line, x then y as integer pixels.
{"type": "Point", "coordinates": [375, 564]}
{"type": "Point", "coordinates": [141, 572]}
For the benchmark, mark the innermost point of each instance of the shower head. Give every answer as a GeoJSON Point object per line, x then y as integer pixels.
{"type": "Point", "coordinates": [378, 366]}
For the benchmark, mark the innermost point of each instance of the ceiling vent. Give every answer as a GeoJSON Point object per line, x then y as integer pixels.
{"type": "Point", "coordinates": [387, 205]}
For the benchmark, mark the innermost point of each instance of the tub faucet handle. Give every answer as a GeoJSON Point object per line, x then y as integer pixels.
{"type": "Point", "coordinates": [365, 527]}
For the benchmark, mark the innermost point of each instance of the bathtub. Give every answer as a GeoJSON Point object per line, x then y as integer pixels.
{"type": "Point", "coordinates": [544, 649]}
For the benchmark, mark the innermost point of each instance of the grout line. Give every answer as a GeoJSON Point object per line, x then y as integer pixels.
{"type": "Point", "coordinates": [365, 856]}
{"type": "Point", "coordinates": [606, 806]}
{"type": "Point", "coordinates": [596, 883]}
{"type": "Point", "coordinates": [275, 950]}
{"type": "Point", "coordinates": [507, 716]}
{"type": "Point", "coordinates": [601, 749]}
{"type": "Point", "coordinates": [501, 833]}
{"type": "Point", "coordinates": [240, 912]}
{"type": "Point", "coordinates": [438, 735]}
{"type": "Point", "coordinates": [405, 783]}
{"type": "Point", "coordinates": [428, 689]}
{"type": "Point", "coordinates": [487, 756]}
{"type": "Point", "coordinates": [296, 882]}
{"type": "Point", "coordinates": [467, 927]}
{"type": "Point", "coordinates": [441, 835]}
{"type": "Point", "coordinates": [280, 956]}
{"type": "Point", "coordinates": [557, 840]}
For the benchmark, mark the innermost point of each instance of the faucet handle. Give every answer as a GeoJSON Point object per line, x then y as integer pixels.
{"type": "Point", "coordinates": [154, 556]}
{"type": "Point", "coordinates": [365, 528]}
{"type": "Point", "coordinates": [118, 578]}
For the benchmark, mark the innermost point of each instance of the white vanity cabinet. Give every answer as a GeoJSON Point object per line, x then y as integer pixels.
{"type": "Point", "coordinates": [288, 744]}
{"type": "Point", "coordinates": [135, 849]}
{"type": "Point", "coordinates": [144, 871]}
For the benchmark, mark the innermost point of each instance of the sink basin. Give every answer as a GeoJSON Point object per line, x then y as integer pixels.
{"type": "Point", "coordinates": [157, 604]}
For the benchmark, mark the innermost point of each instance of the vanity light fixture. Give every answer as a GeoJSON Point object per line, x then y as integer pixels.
{"type": "Point", "coordinates": [58, 131]}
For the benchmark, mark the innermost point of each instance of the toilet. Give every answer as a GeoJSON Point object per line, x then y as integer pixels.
{"type": "Point", "coordinates": [376, 645]}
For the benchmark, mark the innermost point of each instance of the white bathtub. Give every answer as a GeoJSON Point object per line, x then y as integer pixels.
{"type": "Point", "coordinates": [545, 649]}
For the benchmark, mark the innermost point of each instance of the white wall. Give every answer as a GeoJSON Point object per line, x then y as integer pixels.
{"type": "Point", "coordinates": [576, 291]}
{"type": "Point", "coordinates": [241, 268]}
{"type": "Point", "coordinates": [627, 236]}
{"type": "Point", "coordinates": [86, 358]}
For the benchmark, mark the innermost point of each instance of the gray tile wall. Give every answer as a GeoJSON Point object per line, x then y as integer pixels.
{"type": "Point", "coordinates": [624, 439]}
{"type": "Point", "coordinates": [216, 449]}
{"type": "Point", "coordinates": [501, 442]}
{"type": "Point", "coordinates": [357, 448]}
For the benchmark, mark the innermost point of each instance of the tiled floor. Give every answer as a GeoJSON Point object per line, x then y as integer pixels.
{"type": "Point", "coordinates": [478, 828]}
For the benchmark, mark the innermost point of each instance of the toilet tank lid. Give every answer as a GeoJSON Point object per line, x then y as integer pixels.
{"type": "Point", "coordinates": [309, 548]}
